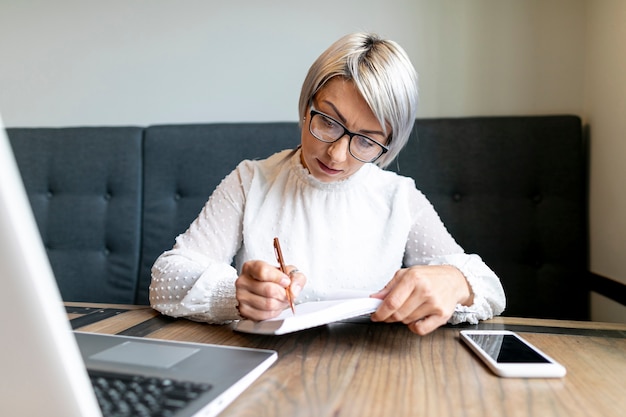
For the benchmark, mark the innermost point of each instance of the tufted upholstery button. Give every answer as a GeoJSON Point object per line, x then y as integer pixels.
{"type": "Point", "coordinates": [106, 252]}
{"type": "Point", "coordinates": [107, 196]}
{"type": "Point", "coordinates": [177, 196]}
{"type": "Point", "coordinates": [49, 194]}
{"type": "Point", "coordinates": [457, 196]}
{"type": "Point", "coordinates": [535, 259]}
{"type": "Point", "coordinates": [537, 198]}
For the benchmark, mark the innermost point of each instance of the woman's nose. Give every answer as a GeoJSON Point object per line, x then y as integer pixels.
{"type": "Point", "coordinates": [338, 150]}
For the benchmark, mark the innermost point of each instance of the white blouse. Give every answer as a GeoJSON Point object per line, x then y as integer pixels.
{"type": "Point", "coordinates": [346, 235]}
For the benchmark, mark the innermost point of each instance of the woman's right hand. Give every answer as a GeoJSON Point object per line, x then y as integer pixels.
{"type": "Point", "coordinates": [261, 289]}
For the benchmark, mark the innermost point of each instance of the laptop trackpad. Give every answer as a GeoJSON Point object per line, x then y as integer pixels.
{"type": "Point", "coordinates": [145, 354]}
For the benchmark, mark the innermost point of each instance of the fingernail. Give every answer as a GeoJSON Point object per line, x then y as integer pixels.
{"type": "Point", "coordinates": [285, 282]}
{"type": "Point", "coordinates": [295, 289]}
{"type": "Point", "coordinates": [378, 294]}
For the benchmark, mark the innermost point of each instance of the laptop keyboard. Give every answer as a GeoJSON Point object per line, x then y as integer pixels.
{"type": "Point", "coordinates": [137, 396]}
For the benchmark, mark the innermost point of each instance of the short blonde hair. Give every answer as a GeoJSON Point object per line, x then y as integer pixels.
{"type": "Point", "coordinates": [382, 73]}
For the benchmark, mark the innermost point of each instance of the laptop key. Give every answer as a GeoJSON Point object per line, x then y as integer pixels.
{"type": "Point", "coordinates": [121, 395]}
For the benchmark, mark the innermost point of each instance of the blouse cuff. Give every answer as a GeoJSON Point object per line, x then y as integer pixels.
{"type": "Point", "coordinates": [213, 296]}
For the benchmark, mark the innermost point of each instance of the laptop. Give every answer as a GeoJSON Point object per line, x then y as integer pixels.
{"type": "Point", "coordinates": [49, 370]}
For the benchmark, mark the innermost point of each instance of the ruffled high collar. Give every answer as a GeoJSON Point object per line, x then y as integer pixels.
{"type": "Point", "coordinates": [304, 175]}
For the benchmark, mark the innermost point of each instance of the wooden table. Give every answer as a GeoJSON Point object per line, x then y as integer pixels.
{"type": "Point", "coordinates": [371, 369]}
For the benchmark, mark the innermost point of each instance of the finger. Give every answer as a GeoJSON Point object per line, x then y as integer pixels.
{"type": "Point", "coordinates": [264, 300]}
{"type": "Point", "coordinates": [419, 307]}
{"type": "Point", "coordinates": [260, 290]}
{"type": "Point", "coordinates": [419, 313]}
{"type": "Point", "coordinates": [298, 280]}
{"type": "Point", "coordinates": [413, 308]}
{"type": "Point", "coordinates": [264, 272]}
{"type": "Point", "coordinates": [260, 308]}
{"type": "Point", "coordinates": [381, 294]}
{"type": "Point", "coordinates": [247, 289]}
{"type": "Point", "coordinates": [393, 307]}
{"type": "Point", "coordinates": [426, 325]}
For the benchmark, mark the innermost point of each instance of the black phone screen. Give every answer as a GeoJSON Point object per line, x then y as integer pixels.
{"type": "Point", "coordinates": [506, 348]}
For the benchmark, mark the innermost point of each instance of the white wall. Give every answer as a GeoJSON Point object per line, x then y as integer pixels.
{"type": "Point", "coordinates": [69, 62]}
{"type": "Point", "coordinates": [605, 108]}
{"type": "Point", "coordinates": [79, 62]}
{"type": "Point", "coordinates": [140, 62]}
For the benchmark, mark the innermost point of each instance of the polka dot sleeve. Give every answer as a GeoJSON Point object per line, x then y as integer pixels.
{"type": "Point", "coordinates": [195, 278]}
{"type": "Point", "coordinates": [430, 243]}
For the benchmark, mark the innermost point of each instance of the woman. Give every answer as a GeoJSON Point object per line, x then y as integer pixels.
{"type": "Point", "coordinates": [344, 223]}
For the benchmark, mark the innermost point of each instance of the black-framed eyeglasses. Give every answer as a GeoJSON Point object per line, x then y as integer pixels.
{"type": "Point", "coordinates": [329, 130]}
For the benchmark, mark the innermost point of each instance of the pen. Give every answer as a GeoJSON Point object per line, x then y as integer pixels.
{"type": "Point", "coordinates": [281, 262]}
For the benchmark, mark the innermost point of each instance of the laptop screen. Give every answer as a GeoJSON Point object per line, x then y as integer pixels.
{"type": "Point", "coordinates": [39, 352]}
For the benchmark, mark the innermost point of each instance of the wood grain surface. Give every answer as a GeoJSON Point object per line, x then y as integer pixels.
{"type": "Point", "coordinates": [373, 369]}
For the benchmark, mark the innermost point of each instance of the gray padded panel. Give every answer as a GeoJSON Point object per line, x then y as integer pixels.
{"type": "Point", "coordinates": [84, 185]}
{"type": "Point", "coordinates": [184, 164]}
{"type": "Point", "coordinates": [513, 190]}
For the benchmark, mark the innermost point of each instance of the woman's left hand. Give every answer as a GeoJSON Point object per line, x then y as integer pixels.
{"type": "Point", "coordinates": [423, 297]}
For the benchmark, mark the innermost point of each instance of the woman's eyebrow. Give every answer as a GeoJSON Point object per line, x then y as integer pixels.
{"type": "Point", "coordinates": [344, 121]}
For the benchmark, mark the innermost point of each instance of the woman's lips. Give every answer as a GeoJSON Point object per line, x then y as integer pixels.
{"type": "Point", "coordinates": [327, 169]}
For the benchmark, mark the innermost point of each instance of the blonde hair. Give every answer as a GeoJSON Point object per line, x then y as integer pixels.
{"type": "Point", "coordinates": [383, 74]}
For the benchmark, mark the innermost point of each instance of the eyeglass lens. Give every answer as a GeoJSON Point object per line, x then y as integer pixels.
{"type": "Point", "coordinates": [329, 130]}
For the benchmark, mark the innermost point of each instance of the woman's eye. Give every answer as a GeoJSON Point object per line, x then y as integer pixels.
{"type": "Point", "coordinates": [329, 123]}
{"type": "Point", "coordinates": [364, 142]}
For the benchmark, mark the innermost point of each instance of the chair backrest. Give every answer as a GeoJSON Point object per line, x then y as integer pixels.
{"type": "Point", "coordinates": [184, 164]}
{"type": "Point", "coordinates": [514, 191]}
{"type": "Point", "coordinates": [109, 201]}
{"type": "Point", "coordinates": [84, 186]}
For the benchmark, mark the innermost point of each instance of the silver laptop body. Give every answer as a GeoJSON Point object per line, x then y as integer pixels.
{"type": "Point", "coordinates": [44, 364]}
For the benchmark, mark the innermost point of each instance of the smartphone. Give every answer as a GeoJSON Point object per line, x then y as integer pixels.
{"type": "Point", "coordinates": [508, 355]}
